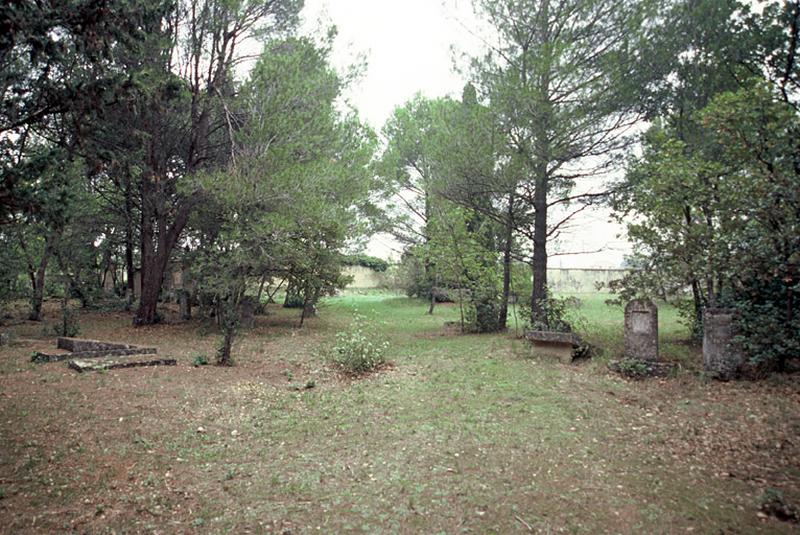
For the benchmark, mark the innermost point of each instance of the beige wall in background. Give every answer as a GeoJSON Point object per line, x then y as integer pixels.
{"type": "Point", "coordinates": [560, 280]}
{"type": "Point", "coordinates": [363, 277]}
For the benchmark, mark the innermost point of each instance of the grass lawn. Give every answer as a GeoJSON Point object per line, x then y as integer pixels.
{"type": "Point", "coordinates": [461, 434]}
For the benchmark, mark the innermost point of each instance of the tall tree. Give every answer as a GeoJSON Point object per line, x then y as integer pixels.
{"type": "Point", "coordinates": [706, 48]}
{"type": "Point", "coordinates": [56, 66]}
{"type": "Point", "coordinates": [478, 175]}
{"type": "Point", "coordinates": [559, 77]}
{"type": "Point", "coordinates": [182, 115]}
{"type": "Point", "coordinates": [290, 198]}
{"type": "Point", "coordinates": [411, 167]}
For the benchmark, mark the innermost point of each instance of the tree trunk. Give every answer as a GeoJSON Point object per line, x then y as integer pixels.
{"type": "Point", "coordinates": [229, 314]}
{"type": "Point", "coordinates": [507, 245]}
{"type": "Point", "coordinates": [309, 306]}
{"type": "Point", "coordinates": [129, 243]}
{"type": "Point", "coordinates": [293, 298]}
{"type": "Point", "coordinates": [542, 150]}
{"type": "Point", "coordinates": [65, 309]}
{"type": "Point", "coordinates": [271, 295]}
{"type": "Point", "coordinates": [539, 292]}
{"type": "Point", "coordinates": [85, 298]}
{"type": "Point", "coordinates": [224, 351]}
{"type": "Point", "coordinates": [152, 274]}
{"type": "Point", "coordinates": [38, 282]}
{"type": "Point", "coordinates": [287, 297]}
{"type": "Point", "coordinates": [697, 298]}
{"type": "Point", "coordinates": [260, 290]}
{"type": "Point", "coordinates": [158, 239]}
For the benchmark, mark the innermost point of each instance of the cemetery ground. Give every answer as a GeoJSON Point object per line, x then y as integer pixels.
{"type": "Point", "coordinates": [461, 433]}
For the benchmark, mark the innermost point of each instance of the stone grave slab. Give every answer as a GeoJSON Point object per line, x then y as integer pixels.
{"type": "Point", "coordinates": [40, 357]}
{"type": "Point", "coordinates": [112, 363]}
{"type": "Point", "coordinates": [80, 344]}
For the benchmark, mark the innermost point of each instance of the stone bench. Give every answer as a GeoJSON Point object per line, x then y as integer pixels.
{"type": "Point", "coordinates": [561, 345]}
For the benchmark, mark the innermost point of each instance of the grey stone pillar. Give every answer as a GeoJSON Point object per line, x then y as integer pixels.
{"type": "Point", "coordinates": [722, 358]}
{"type": "Point", "coordinates": [641, 330]}
{"type": "Point", "coordinates": [184, 300]}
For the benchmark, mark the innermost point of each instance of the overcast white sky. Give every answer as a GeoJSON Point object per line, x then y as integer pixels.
{"type": "Point", "coordinates": [408, 44]}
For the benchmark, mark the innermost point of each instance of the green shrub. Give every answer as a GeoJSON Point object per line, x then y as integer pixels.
{"type": "Point", "coordinates": [293, 300]}
{"type": "Point", "coordinates": [357, 351]}
{"type": "Point", "coordinates": [774, 503]}
{"type": "Point", "coordinates": [482, 310]}
{"type": "Point", "coordinates": [633, 368]}
{"type": "Point", "coordinates": [765, 332]}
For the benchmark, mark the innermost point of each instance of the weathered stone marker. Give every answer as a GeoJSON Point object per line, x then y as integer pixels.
{"type": "Point", "coordinates": [641, 330]}
{"type": "Point", "coordinates": [722, 358]}
{"type": "Point", "coordinates": [5, 339]}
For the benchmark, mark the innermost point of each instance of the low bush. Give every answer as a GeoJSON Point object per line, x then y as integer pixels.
{"type": "Point", "coordinates": [357, 350]}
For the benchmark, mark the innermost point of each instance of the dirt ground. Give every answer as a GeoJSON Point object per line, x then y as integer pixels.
{"type": "Point", "coordinates": [262, 446]}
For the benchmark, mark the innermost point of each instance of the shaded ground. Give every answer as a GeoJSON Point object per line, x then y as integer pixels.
{"type": "Point", "coordinates": [464, 434]}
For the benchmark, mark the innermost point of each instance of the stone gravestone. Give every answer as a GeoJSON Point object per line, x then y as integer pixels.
{"type": "Point", "coordinates": [721, 356]}
{"type": "Point", "coordinates": [641, 330]}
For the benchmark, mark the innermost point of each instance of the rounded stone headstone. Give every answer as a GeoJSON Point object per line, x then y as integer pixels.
{"type": "Point", "coordinates": [722, 358]}
{"type": "Point", "coordinates": [641, 330]}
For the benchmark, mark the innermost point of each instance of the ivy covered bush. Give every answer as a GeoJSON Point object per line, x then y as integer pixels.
{"type": "Point", "coordinates": [374, 263]}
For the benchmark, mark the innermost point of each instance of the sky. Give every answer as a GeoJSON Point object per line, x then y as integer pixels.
{"type": "Point", "coordinates": [409, 48]}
